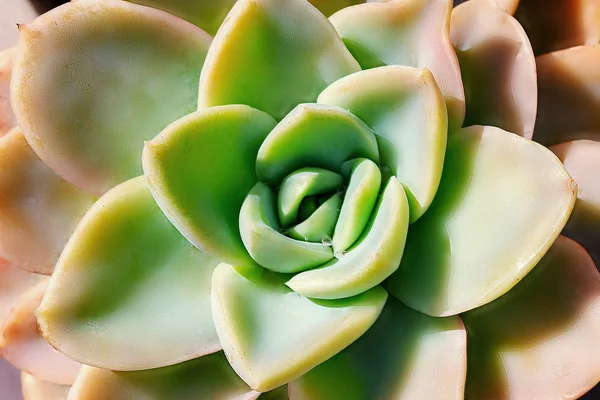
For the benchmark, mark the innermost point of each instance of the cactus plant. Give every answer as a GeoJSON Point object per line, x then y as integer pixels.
{"type": "Point", "coordinates": [325, 200]}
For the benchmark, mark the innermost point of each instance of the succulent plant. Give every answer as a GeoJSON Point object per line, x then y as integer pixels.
{"type": "Point", "coordinates": [324, 201]}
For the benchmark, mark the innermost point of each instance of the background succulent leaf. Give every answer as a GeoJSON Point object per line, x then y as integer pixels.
{"type": "Point", "coordinates": [22, 344]}
{"type": "Point", "coordinates": [36, 389]}
{"type": "Point", "coordinates": [405, 108]}
{"type": "Point", "coordinates": [260, 230]}
{"type": "Point", "coordinates": [87, 97]}
{"type": "Point", "coordinates": [409, 33]}
{"type": "Point", "coordinates": [252, 318]}
{"type": "Point", "coordinates": [582, 161]}
{"type": "Point", "coordinates": [540, 340]}
{"type": "Point", "coordinates": [314, 135]}
{"type": "Point", "coordinates": [129, 292]}
{"type": "Point", "coordinates": [38, 211]}
{"type": "Point", "coordinates": [281, 393]}
{"type": "Point", "coordinates": [14, 282]}
{"type": "Point", "coordinates": [208, 377]}
{"type": "Point", "coordinates": [405, 354]}
{"type": "Point", "coordinates": [568, 96]}
{"type": "Point", "coordinates": [200, 169]}
{"type": "Point", "coordinates": [371, 260]}
{"type": "Point", "coordinates": [497, 66]}
{"type": "Point", "coordinates": [502, 202]}
{"type": "Point", "coordinates": [273, 55]}
{"type": "Point", "coordinates": [7, 118]}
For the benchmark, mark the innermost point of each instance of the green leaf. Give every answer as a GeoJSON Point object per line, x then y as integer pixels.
{"type": "Point", "coordinates": [406, 109]}
{"type": "Point", "coordinates": [372, 259]}
{"type": "Point", "coordinates": [269, 247]}
{"type": "Point", "coordinates": [209, 377]}
{"type": "Point", "coordinates": [273, 55]}
{"type": "Point", "coordinates": [129, 292]}
{"type": "Point", "coordinates": [409, 33]}
{"type": "Point", "coordinates": [272, 335]}
{"type": "Point", "coordinates": [542, 339]}
{"type": "Point", "coordinates": [404, 355]}
{"type": "Point", "coordinates": [320, 225]}
{"type": "Point", "coordinates": [200, 169]}
{"type": "Point", "coordinates": [314, 135]}
{"type": "Point", "coordinates": [502, 201]}
{"type": "Point", "coordinates": [87, 97]}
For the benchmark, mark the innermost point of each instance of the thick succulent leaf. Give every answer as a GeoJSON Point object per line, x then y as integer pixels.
{"type": "Point", "coordinates": [320, 225]}
{"type": "Point", "coordinates": [497, 65]}
{"type": "Point", "coordinates": [265, 242]}
{"type": "Point", "coordinates": [582, 160]}
{"type": "Point", "coordinates": [314, 135]}
{"type": "Point", "coordinates": [502, 202]}
{"type": "Point", "coordinates": [372, 259]}
{"type": "Point", "coordinates": [38, 209]}
{"type": "Point", "coordinates": [208, 377]}
{"type": "Point", "coordinates": [410, 33]}
{"type": "Point", "coordinates": [129, 292]}
{"type": "Point", "coordinates": [541, 339]}
{"type": "Point", "coordinates": [553, 25]}
{"type": "Point", "coordinates": [14, 282]}
{"type": "Point", "coordinates": [273, 55]}
{"type": "Point", "coordinates": [405, 355]}
{"type": "Point", "coordinates": [509, 6]}
{"type": "Point", "coordinates": [22, 344]}
{"type": "Point", "coordinates": [36, 389]}
{"type": "Point", "coordinates": [7, 118]}
{"type": "Point", "coordinates": [252, 318]}
{"type": "Point", "coordinates": [87, 97]}
{"type": "Point", "coordinates": [406, 109]}
{"type": "Point", "coordinates": [569, 98]}
{"type": "Point", "coordinates": [200, 169]}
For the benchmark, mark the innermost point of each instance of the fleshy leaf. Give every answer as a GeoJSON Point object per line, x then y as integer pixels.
{"type": "Point", "coordinates": [7, 118]}
{"type": "Point", "coordinates": [200, 169]}
{"type": "Point", "coordinates": [502, 202]}
{"type": "Point", "coordinates": [269, 247]}
{"type": "Point", "coordinates": [569, 98]}
{"type": "Point", "coordinates": [129, 292]}
{"type": "Point", "coordinates": [509, 6]}
{"type": "Point", "coordinates": [22, 344]}
{"type": "Point", "coordinates": [541, 339]}
{"type": "Point", "coordinates": [87, 97]}
{"type": "Point", "coordinates": [252, 317]}
{"type": "Point", "coordinates": [405, 355]}
{"type": "Point", "coordinates": [582, 160]}
{"type": "Point", "coordinates": [405, 108]}
{"type": "Point", "coordinates": [497, 65]}
{"type": "Point", "coordinates": [372, 259]}
{"type": "Point", "coordinates": [321, 223]}
{"type": "Point", "coordinates": [36, 389]}
{"type": "Point", "coordinates": [14, 282]}
{"type": "Point", "coordinates": [553, 25]}
{"type": "Point", "coordinates": [409, 33]}
{"type": "Point", "coordinates": [208, 377]}
{"type": "Point", "coordinates": [273, 55]}
{"type": "Point", "coordinates": [314, 135]}
{"type": "Point", "coordinates": [38, 211]}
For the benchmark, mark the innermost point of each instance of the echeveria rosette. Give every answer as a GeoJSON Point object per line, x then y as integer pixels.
{"type": "Point", "coordinates": [319, 167]}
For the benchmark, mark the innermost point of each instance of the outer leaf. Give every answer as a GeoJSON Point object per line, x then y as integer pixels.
{"type": "Point", "coordinates": [253, 317]}
{"type": "Point", "coordinates": [502, 202]}
{"type": "Point", "coordinates": [405, 107]}
{"type": "Point", "coordinates": [13, 283]}
{"type": "Point", "coordinates": [410, 33]}
{"type": "Point", "coordinates": [540, 340]}
{"type": "Point", "coordinates": [129, 292]}
{"type": "Point", "coordinates": [371, 260]}
{"type": "Point", "coordinates": [38, 209]}
{"type": "Point", "coordinates": [87, 96]}
{"type": "Point", "coordinates": [200, 169]}
{"type": "Point", "coordinates": [582, 160]}
{"type": "Point", "coordinates": [7, 118]}
{"type": "Point", "coordinates": [35, 389]}
{"type": "Point", "coordinates": [497, 65]}
{"type": "Point", "coordinates": [405, 355]}
{"type": "Point", "coordinates": [273, 55]}
{"type": "Point", "coordinates": [510, 6]}
{"type": "Point", "coordinates": [209, 377]}
{"type": "Point", "coordinates": [568, 81]}
{"type": "Point", "coordinates": [22, 344]}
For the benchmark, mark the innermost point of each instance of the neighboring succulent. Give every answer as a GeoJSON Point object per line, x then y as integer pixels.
{"type": "Point", "coordinates": [262, 192]}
